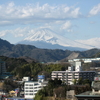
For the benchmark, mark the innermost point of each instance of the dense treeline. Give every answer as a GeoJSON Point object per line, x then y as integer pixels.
{"type": "Point", "coordinates": [13, 63]}
{"type": "Point", "coordinates": [21, 67]}
{"type": "Point", "coordinates": [33, 69]}
{"type": "Point", "coordinates": [9, 85]}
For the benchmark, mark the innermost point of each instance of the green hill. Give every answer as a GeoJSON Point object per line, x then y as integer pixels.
{"type": "Point", "coordinates": [41, 55]}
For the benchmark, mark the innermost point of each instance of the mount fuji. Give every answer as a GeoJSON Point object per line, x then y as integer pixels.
{"type": "Point", "coordinates": [47, 39]}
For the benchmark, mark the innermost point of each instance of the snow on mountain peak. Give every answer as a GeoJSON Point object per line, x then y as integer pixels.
{"type": "Point", "coordinates": [49, 36]}
{"type": "Point", "coordinates": [45, 35]}
{"type": "Point", "coordinates": [41, 35]}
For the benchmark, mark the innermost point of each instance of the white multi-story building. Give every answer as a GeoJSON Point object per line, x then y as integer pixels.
{"type": "Point", "coordinates": [73, 72]}
{"type": "Point", "coordinates": [31, 88]}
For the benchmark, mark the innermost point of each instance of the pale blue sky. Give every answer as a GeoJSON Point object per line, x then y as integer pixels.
{"type": "Point", "coordinates": [74, 19]}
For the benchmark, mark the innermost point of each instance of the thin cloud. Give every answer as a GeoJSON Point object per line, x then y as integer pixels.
{"type": "Point", "coordinates": [95, 10]}
{"type": "Point", "coordinates": [30, 14]}
{"type": "Point", "coordinates": [92, 41]}
{"type": "Point", "coordinates": [18, 32]}
{"type": "Point", "coordinates": [67, 26]}
{"type": "Point", "coordinates": [92, 22]}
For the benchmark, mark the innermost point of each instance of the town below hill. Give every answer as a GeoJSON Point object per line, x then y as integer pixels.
{"type": "Point", "coordinates": [22, 67]}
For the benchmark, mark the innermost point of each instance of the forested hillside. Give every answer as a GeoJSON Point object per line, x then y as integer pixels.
{"type": "Point", "coordinates": [41, 55]}
{"type": "Point", "coordinates": [21, 67]}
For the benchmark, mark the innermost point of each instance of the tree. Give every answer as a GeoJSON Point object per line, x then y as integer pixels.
{"type": "Point", "coordinates": [40, 94]}
{"type": "Point", "coordinates": [60, 91]}
{"type": "Point", "coordinates": [86, 81]}
{"type": "Point", "coordinates": [9, 85]}
{"type": "Point", "coordinates": [75, 81]}
{"type": "Point", "coordinates": [80, 81]}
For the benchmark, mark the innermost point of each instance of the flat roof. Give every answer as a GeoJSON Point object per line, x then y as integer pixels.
{"type": "Point", "coordinates": [88, 94]}
{"type": "Point", "coordinates": [31, 81]}
{"type": "Point", "coordinates": [73, 71]}
{"type": "Point", "coordinates": [35, 82]}
{"type": "Point", "coordinates": [19, 98]}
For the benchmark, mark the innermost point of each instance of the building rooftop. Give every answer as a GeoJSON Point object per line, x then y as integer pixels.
{"type": "Point", "coordinates": [88, 94]}
{"type": "Point", "coordinates": [73, 71]}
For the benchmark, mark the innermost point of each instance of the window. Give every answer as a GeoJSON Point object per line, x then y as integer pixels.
{"type": "Point", "coordinates": [31, 90]}
{"type": "Point", "coordinates": [36, 84]}
{"type": "Point", "coordinates": [35, 87]}
{"type": "Point", "coordinates": [26, 91]}
{"type": "Point", "coordinates": [31, 94]}
{"type": "Point", "coordinates": [39, 87]}
{"type": "Point", "coordinates": [96, 90]}
{"type": "Point", "coordinates": [31, 85]}
{"type": "Point", "coordinates": [35, 90]}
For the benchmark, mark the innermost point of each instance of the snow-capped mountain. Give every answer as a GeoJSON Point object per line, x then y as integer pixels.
{"type": "Point", "coordinates": [46, 38]}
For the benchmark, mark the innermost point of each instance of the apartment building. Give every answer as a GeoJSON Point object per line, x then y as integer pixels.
{"type": "Point", "coordinates": [74, 72]}
{"type": "Point", "coordinates": [69, 76]}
